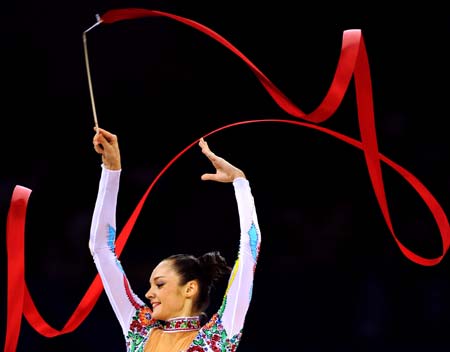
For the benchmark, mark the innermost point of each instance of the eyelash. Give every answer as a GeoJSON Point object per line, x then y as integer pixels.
{"type": "Point", "coordinates": [159, 285]}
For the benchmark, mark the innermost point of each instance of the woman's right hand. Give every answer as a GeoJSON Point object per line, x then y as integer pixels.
{"type": "Point", "coordinates": [107, 145]}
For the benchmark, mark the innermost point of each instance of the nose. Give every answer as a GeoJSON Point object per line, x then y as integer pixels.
{"type": "Point", "coordinates": [149, 295]}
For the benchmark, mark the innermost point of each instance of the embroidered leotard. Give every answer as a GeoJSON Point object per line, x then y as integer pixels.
{"type": "Point", "coordinates": [223, 331]}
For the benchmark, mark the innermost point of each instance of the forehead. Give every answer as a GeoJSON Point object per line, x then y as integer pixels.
{"type": "Point", "coordinates": [164, 268]}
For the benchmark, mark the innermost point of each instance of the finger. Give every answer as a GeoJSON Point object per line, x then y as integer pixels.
{"type": "Point", "coordinates": [109, 137]}
{"type": "Point", "coordinates": [208, 152]}
{"type": "Point", "coordinates": [99, 139]}
{"type": "Point", "coordinates": [208, 177]}
{"type": "Point", "coordinates": [99, 130]}
{"type": "Point", "coordinates": [202, 143]}
{"type": "Point", "coordinates": [98, 148]}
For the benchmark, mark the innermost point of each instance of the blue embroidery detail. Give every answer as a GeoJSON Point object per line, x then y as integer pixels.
{"type": "Point", "coordinates": [111, 244]}
{"type": "Point", "coordinates": [111, 237]}
{"type": "Point", "coordinates": [253, 241]}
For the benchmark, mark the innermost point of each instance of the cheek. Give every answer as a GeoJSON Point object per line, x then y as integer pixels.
{"type": "Point", "coordinates": [174, 296]}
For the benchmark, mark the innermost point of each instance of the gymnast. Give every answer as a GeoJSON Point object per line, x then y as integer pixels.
{"type": "Point", "coordinates": [174, 318]}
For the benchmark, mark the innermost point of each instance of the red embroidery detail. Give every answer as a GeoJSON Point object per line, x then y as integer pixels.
{"type": "Point", "coordinates": [129, 294]}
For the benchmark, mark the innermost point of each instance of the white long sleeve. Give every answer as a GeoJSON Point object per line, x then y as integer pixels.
{"type": "Point", "coordinates": [102, 246]}
{"type": "Point", "coordinates": [239, 292]}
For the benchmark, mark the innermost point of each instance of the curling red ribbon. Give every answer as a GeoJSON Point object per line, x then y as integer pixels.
{"type": "Point", "coordinates": [352, 61]}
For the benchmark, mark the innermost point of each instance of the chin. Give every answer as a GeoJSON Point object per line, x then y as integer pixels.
{"type": "Point", "coordinates": [159, 316]}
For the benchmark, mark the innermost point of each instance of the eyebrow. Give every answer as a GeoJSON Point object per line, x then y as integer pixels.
{"type": "Point", "coordinates": [158, 277]}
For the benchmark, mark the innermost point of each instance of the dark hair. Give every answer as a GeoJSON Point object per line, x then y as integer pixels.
{"type": "Point", "coordinates": [207, 269]}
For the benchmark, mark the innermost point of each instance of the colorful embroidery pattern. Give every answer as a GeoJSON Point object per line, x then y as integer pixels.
{"type": "Point", "coordinates": [253, 234]}
{"type": "Point", "coordinates": [182, 324]}
{"type": "Point", "coordinates": [145, 316]}
{"type": "Point", "coordinates": [139, 328]}
{"type": "Point", "coordinates": [213, 337]}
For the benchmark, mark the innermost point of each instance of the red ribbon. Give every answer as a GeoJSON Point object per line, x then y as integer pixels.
{"type": "Point", "coordinates": [352, 61]}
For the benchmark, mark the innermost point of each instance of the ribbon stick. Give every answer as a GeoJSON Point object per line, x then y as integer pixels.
{"type": "Point", "coordinates": [88, 71]}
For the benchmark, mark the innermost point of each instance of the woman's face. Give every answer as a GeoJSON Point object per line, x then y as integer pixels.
{"type": "Point", "coordinates": [167, 297]}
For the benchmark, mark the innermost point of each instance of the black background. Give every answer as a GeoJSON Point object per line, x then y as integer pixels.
{"type": "Point", "coordinates": [330, 276]}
